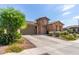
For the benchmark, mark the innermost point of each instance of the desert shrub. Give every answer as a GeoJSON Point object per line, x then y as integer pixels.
{"type": "Point", "coordinates": [64, 33]}
{"type": "Point", "coordinates": [57, 33]}
{"type": "Point", "coordinates": [14, 48]}
{"type": "Point", "coordinates": [69, 37]}
{"type": "Point", "coordinates": [77, 35]}
{"type": "Point", "coordinates": [50, 33]}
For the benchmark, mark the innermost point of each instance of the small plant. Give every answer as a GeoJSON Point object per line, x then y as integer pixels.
{"type": "Point", "coordinates": [14, 48]}
{"type": "Point", "coordinates": [69, 37]}
{"type": "Point", "coordinates": [57, 33]}
{"type": "Point", "coordinates": [6, 39]}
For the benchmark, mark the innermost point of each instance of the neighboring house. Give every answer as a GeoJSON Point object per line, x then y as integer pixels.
{"type": "Point", "coordinates": [74, 28]}
{"type": "Point", "coordinates": [42, 26]}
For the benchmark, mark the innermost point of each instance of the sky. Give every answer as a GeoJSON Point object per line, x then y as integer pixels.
{"type": "Point", "coordinates": [67, 14]}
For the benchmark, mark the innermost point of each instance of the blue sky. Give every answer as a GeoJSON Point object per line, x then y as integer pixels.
{"type": "Point", "coordinates": [68, 14]}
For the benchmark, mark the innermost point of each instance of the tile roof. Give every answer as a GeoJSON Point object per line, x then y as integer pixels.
{"type": "Point", "coordinates": [56, 22]}
{"type": "Point", "coordinates": [41, 18]}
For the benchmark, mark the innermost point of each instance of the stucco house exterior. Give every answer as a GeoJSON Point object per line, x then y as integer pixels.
{"type": "Point", "coordinates": [42, 26]}
{"type": "Point", "coordinates": [55, 26]}
{"type": "Point", "coordinates": [30, 29]}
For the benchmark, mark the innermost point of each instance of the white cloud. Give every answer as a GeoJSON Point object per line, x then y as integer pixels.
{"type": "Point", "coordinates": [65, 13]}
{"type": "Point", "coordinates": [76, 17]}
{"type": "Point", "coordinates": [67, 7]}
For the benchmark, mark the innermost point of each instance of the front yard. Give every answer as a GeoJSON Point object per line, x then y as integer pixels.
{"type": "Point", "coordinates": [19, 46]}
{"type": "Point", "coordinates": [11, 22]}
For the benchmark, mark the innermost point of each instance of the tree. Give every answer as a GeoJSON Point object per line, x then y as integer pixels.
{"type": "Point", "coordinates": [11, 20]}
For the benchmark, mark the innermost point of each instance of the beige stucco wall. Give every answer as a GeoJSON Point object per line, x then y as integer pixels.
{"type": "Point", "coordinates": [29, 30]}
{"type": "Point", "coordinates": [41, 26]}
{"type": "Point", "coordinates": [55, 26]}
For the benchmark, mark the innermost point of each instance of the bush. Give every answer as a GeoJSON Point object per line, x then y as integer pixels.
{"type": "Point", "coordinates": [1, 31]}
{"type": "Point", "coordinates": [5, 39]}
{"type": "Point", "coordinates": [57, 33]}
{"type": "Point", "coordinates": [14, 48]}
{"type": "Point", "coordinates": [64, 33]}
{"type": "Point", "coordinates": [69, 37]}
{"type": "Point", "coordinates": [50, 33]}
{"type": "Point", "coordinates": [9, 38]}
{"type": "Point", "coordinates": [77, 35]}
{"type": "Point", "coordinates": [15, 35]}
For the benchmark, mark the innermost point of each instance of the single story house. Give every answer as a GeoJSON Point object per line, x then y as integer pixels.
{"type": "Point", "coordinates": [42, 26]}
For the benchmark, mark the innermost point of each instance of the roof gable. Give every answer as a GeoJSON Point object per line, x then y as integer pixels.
{"type": "Point", "coordinates": [42, 18]}
{"type": "Point", "coordinates": [57, 22]}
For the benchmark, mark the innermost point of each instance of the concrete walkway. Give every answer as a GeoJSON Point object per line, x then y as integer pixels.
{"type": "Point", "coordinates": [50, 46]}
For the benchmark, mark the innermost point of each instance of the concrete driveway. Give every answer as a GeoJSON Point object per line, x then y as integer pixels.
{"type": "Point", "coordinates": [51, 46]}
{"type": "Point", "coordinates": [47, 45]}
